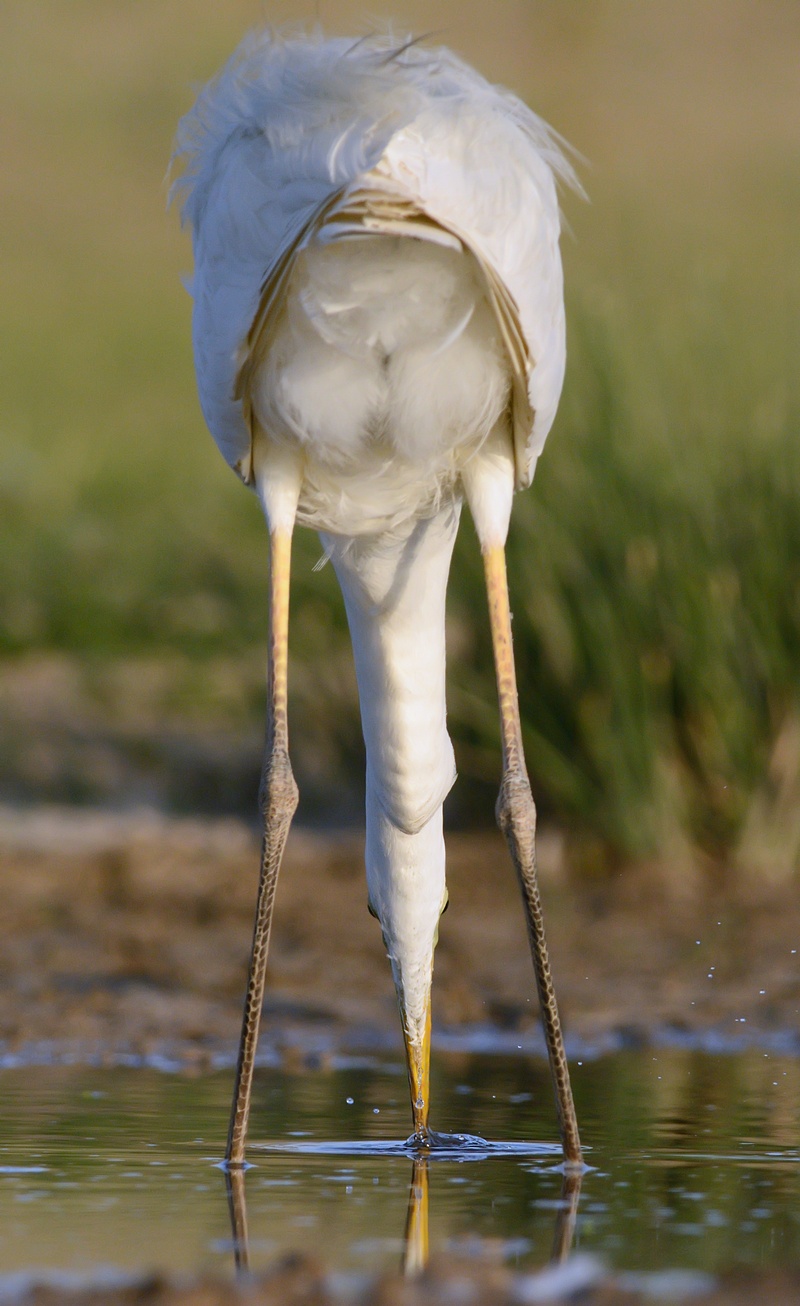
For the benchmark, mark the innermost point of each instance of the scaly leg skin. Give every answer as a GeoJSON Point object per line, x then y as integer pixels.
{"type": "Point", "coordinates": [237, 1209]}
{"type": "Point", "coordinates": [278, 800]}
{"type": "Point", "coordinates": [415, 1246]}
{"type": "Point", "coordinates": [516, 816]}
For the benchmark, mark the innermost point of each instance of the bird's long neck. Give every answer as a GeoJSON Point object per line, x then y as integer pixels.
{"type": "Point", "coordinates": [394, 588]}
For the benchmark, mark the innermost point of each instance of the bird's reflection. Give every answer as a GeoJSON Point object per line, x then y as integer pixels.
{"type": "Point", "coordinates": [415, 1243]}
{"type": "Point", "coordinates": [566, 1215]}
{"type": "Point", "coordinates": [237, 1209]}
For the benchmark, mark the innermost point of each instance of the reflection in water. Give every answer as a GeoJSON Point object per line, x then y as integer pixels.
{"type": "Point", "coordinates": [416, 1241]}
{"type": "Point", "coordinates": [415, 1248]}
{"type": "Point", "coordinates": [695, 1163]}
{"type": "Point", "coordinates": [567, 1215]}
{"type": "Point", "coordinates": [237, 1207]}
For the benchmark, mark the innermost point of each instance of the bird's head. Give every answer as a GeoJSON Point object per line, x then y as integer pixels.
{"type": "Point", "coordinates": [407, 895]}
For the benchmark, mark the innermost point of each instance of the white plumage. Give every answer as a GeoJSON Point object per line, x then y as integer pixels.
{"type": "Point", "coordinates": [379, 330]}
{"type": "Point", "coordinates": [276, 149]}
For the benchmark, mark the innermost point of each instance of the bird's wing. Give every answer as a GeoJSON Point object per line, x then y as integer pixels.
{"type": "Point", "coordinates": [269, 143]}
{"type": "Point", "coordinates": [485, 170]}
{"type": "Point", "coordinates": [377, 206]}
{"type": "Point", "coordinates": [286, 138]}
{"type": "Point", "coordinates": [250, 221]}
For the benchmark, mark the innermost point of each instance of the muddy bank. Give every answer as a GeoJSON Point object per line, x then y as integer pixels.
{"type": "Point", "coordinates": [127, 938]}
{"type": "Point", "coordinates": [296, 1281]}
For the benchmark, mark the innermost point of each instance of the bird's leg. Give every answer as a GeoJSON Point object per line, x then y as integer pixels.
{"type": "Point", "coordinates": [516, 816]}
{"type": "Point", "coordinates": [278, 800]}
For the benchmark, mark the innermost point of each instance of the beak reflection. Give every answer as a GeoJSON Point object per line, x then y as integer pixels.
{"type": "Point", "coordinates": [416, 1244]}
{"type": "Point", "coordinates": [415, 1247]}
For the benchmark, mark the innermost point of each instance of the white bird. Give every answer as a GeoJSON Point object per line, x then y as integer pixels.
{"type": "Point", "coordinates": [378, 333]}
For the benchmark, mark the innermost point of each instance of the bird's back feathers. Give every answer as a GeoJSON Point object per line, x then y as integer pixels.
{"type": "Point", "coordinates": [301, 141]}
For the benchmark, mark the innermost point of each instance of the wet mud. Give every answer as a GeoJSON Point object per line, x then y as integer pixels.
{"type": "Point", "coordinates": [126, 939]}
{"type": "Point", "coordinates": [126, 942]}
{"type": "Point", "coordinates": [298, 1281]}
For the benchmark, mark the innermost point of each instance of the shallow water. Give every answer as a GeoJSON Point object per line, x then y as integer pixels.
{"type": "Point", "coordinates": [694, 1163]}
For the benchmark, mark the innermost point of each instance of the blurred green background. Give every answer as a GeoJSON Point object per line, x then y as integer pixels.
{"type": "Point", "coordinates": [655, 565]}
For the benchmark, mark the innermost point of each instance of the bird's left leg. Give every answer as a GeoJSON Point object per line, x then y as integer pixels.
{"type": "Point", "coordinates": [489, 485]}
{"type": "Point", "coordinates": [278, 479]}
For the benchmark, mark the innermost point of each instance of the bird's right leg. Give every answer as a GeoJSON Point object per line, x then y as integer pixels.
{"type": "Point", "coordinates": [516, 816]}
{"type": "Point", "coordinates": [278, 479]}
{"type": "Point", "coordinates": [489, 485]}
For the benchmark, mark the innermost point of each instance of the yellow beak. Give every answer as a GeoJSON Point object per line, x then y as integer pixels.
{"type": "Point", "coordinates": [418, 1059]}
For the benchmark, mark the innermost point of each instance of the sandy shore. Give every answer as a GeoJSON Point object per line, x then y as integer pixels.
{"type": "Point", "coordinates": [127, 936]}
{"type": "Point", "coordinates": [297, 1281]}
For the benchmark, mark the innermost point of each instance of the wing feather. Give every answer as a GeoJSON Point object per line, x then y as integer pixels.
{"type": "Point", "coordinates": [373, 209]}
{"type": "Point", "coordinates": [302, 138]}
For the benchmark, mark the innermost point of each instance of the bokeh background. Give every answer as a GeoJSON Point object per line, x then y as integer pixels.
{"type": "Point", "coordinates": [655, 564]}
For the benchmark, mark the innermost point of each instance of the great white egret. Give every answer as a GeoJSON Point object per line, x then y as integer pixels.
{"type": "Point", "coordinates": [378, 333]}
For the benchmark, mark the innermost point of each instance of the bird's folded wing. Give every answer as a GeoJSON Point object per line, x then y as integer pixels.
{"type": "Point", "coordinates": [370, 208]}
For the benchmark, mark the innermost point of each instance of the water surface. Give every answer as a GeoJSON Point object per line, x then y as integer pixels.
{"type": "Point", "coordinates": [694, 1163]}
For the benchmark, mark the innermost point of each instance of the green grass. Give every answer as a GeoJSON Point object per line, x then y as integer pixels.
{"type": "Point", "coordinates": [655, 565]}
